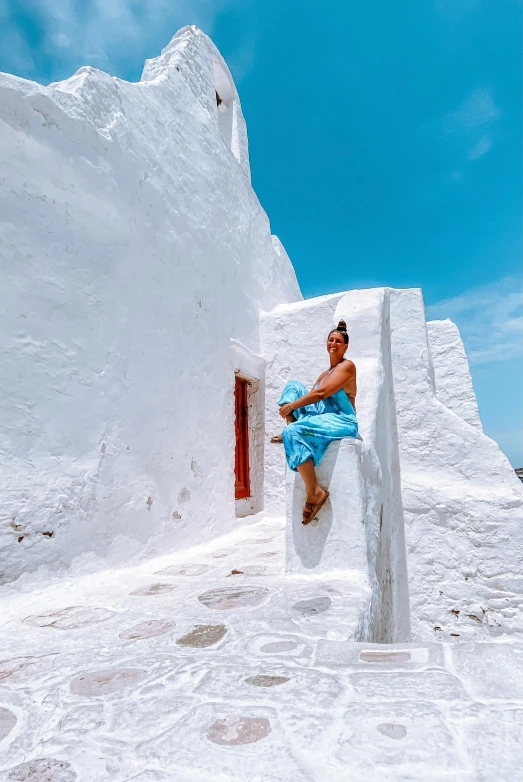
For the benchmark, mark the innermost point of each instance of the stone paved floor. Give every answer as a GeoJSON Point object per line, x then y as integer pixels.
{"type": "Point", "coordinates": [212, 665]}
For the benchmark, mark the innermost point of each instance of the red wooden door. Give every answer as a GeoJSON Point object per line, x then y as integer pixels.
{"type": "Point", "coordinates": [242, 486]}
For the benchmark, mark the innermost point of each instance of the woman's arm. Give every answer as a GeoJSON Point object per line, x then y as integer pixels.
{"type": "Point", "coordinates": [334, 382]}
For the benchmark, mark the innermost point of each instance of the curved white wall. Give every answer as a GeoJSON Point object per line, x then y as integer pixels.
{"type": "Point", "coordinates": [133, 249]}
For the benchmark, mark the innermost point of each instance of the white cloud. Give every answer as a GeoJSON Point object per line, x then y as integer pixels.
{"type": "Point", "coordinates": [490, 319]}
{"type": "Point", "coordinates": [477, 111]}
{"type": "Point", "coordinates": [108, 34]}
{"type": "Point", "coordinates": [473, 122]}
{"type": "Point", "coordinates": [484, 144]}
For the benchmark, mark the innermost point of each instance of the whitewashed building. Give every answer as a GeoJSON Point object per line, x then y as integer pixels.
{"type": "Point", "coordinates": [149, 322]}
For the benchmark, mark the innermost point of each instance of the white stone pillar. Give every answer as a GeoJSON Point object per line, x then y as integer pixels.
{"type": "Point", "coordinates": [336, 541]}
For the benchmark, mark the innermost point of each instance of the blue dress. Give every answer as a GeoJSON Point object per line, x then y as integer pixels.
{"type": "Point", "coordinates": [317, 425]}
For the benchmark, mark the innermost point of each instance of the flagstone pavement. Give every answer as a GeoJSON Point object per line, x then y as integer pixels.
{"type": "Point", "coordinates": [212, 664]}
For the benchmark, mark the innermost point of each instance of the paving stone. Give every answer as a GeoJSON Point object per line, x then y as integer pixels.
{"type": "Point", "coordinates": [71, 617]}
{"type": "Point", "coordinates": [239, 730]}
{"type": "Point", "coordinates": [42, 770]}
{"type": "Point", "coordinates": [300, 688]}
{"type": "Point", "coordinates": [203, 636]}
{"type": "Point", "coordinates": [7, 722]}
{"type": "Point", "coordinates": [154, 589]}
{"type": "Point", "coordinates": [188, 752]}
{"type": "Point", "coordinates": [316, 605]}
{"type": "Point", "coordinates": [393, 730]}
{"type": "Point", "coordinates": [288, 646]}
{"type": "Point", "coordinates": [399, 685]}
{"type": "Point", "coordinates": [493, 741]}
{"type": "Point", "coordinates": [147, 629]}
{"type": "Point", "coordinates": [385, 657]}
{"type": "Point", "coordinates": [185, 570]}
{"type": "Point", "coordinates": [278, 646]}
{"type": "Point", "coordinates": [96, 683]}
{"type": "Point", "coordinates": [380, 656]}
{"type": "Point", "coordinates": [490, 670]}
{"type": "Point", "coordinates": [266, 681]}
{"type": "Point", "coordinates": [410, 735]}
{"type": "Point", "coordinates": [230, 597]}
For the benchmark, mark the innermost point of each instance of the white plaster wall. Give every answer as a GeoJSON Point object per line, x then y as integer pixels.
{"type": "Point", "coordinates": [462, 501]}
{"type": "Point", "coordinates": [444, 509]}
{"type": "Point", "coordinates": [451, 371]}
{"type": "Point", "coordinates": [133, 249]}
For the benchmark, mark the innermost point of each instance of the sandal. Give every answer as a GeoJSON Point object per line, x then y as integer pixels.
{"type": "Point", "coordinates": [311, 510]}
{"type": "Point", "coordinates": [278, 438]}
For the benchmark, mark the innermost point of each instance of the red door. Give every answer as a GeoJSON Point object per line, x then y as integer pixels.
{"type": "Point", "coordinates": [242, 486]}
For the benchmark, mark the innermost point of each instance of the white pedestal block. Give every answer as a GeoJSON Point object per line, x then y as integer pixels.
{"type": "Point", "coordinates": [336, 541]}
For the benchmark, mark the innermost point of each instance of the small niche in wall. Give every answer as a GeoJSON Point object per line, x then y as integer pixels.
{"type": "Point", "coordinates": [225, 95]}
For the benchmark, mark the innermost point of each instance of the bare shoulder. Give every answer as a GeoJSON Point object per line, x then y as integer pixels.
{"type": "Point", "coordinates": [350, 366]}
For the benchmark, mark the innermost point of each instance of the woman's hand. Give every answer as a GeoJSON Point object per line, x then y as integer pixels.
{"type": "Point", "coordinates": [285, 411]}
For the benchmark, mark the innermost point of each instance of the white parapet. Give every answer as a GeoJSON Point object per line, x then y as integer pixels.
{"type": "Point", "coordinates": [336, 541]}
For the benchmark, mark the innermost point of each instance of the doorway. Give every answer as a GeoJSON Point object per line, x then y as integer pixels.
{"type": "Point", "coordinates": [242, 487]}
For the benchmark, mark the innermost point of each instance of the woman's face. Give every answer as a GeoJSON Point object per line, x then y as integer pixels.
{"type": "Point", "coordinates": [336, 346]}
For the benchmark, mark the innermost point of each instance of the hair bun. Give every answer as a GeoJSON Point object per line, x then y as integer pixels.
{"type": "Point", "coordinates": [342, 326]}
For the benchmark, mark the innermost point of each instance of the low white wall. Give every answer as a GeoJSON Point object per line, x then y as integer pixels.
{"type": "Point", "coordinates": [133, 249]}
{"type": "Point", "coordinates": [462, 501]}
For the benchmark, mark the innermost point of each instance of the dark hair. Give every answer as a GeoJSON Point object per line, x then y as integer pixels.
{"type": "Point", "coordinates": [341, 328]}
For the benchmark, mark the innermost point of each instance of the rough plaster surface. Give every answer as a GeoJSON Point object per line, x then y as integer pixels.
{"type": "Point", "coordinates": [462, 502]}
{"type": "Point", "coordinates": [443, 507]}
{"type": "Point", "coordinates": [133, 249]}
{"type": "Point", "coordinates": [451, 371]}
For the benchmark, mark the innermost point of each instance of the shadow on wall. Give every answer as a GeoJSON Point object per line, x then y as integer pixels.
{"type": "Point", "coordinates": [225, 102]}
{"type": "Point", "coordinates": [310, 539]}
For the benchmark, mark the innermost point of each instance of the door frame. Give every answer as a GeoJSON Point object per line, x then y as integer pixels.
{"type": "Point", "coordinates": [248, 366]}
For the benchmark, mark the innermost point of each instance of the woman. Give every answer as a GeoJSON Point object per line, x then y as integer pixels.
{"type": "Point", "coordinates": [318, 417]}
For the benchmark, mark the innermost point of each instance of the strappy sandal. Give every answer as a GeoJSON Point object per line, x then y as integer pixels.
{"type": "Point", "coordinates": [278, 438]}
{"type": "Point", "coordinates": [311, 510]}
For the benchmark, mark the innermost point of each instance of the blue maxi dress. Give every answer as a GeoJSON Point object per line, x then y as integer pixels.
{"type": "Point", "coordinates": [317, 424]}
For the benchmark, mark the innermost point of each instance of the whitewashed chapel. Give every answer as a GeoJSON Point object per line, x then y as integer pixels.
{"type": "Point", "coordinates": [149, 322]}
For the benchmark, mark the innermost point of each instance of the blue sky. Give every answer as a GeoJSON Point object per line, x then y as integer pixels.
{"type": "Point", "coordinates": [385, 143]}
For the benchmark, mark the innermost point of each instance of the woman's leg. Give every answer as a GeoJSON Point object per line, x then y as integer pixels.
{"type": "Point", "coordinates": [315, 493]}
{"type": "Point", "coordinates": [293, 390]}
